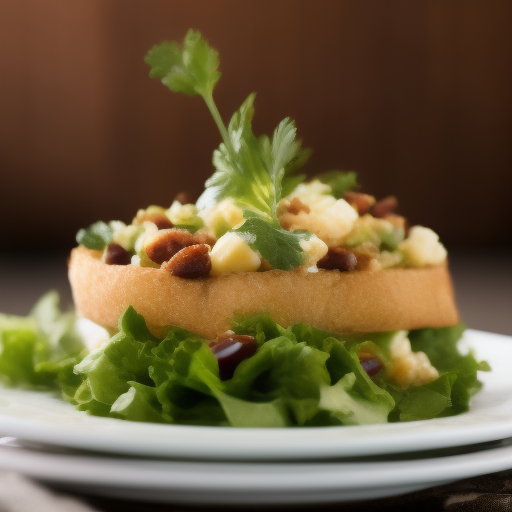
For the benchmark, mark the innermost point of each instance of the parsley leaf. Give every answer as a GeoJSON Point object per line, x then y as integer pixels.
{"type": "Point", "coordinates": [279, 247]}
{"type": "Point", "coordinates": [255, 172]}
{"type": "Point", "coordinates": [241, 172]}
{"type": "Point", "coordinates": [285, 154]}
{"type": "Point", "coordinates": [192, 70]}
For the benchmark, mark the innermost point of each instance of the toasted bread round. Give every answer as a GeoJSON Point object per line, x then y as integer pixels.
{"type": "Point", "coordinates": [344, 302]}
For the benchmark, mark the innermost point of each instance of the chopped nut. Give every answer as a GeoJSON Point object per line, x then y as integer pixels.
{"type": "Point", "coordinates": [397, 220]}
{"type": "Point", "coordinates": [160, 219]}
{"type": "Point", "coordinates": [184, 197]}
{"type": "Point", "coordinates": [296, 206]}
{"type": "Point", "coordinates": [385, 206]}
{"type": "Point", "coordinates": [265, 265]}
{"type": "Point", "coordinates": [361, 202]}
{"type": "Point", "coordinates": [115, 254]}
{"type": "Point", "coordinates": [338, 258]}
{"type": "Point", "coordinates": [168, 242]}
{"type": "Point", "coordinates": [367, 257]}
{"type": "Point", "coordinates": [191, 262]}
{"type": "Point", "coordinates": [365, 262]}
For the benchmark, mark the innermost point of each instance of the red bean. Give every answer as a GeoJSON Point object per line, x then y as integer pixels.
{"type": "Point", "coordinates": [230, 350]}
{"type": "Point", "coordinates": [371, 364]}
{"type": "Point", "coordinates": [117, 255]}
{"type": "Point", "coordinates": [338, 258]}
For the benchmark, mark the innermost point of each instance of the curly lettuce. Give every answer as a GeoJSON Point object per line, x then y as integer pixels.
{"type": "Point", "coordinates": [299, 376]}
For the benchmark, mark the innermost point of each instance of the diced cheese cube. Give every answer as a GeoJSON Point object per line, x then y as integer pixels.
{"type": "Point", "coordinates": [231, 254]}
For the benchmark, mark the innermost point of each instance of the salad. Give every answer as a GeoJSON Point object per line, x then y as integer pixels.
{"type": "Point", "coordinates": [257, 215]}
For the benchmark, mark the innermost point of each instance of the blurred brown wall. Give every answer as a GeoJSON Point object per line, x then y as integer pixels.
{"type": "Point", "coordinates": [416, 96]}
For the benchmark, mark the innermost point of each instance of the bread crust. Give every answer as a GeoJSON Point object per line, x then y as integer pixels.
{"type": "Point", "coordinates": [356, 301]}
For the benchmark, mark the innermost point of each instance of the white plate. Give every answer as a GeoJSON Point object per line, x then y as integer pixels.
{"type": "Point", "coordinates": [221, 483]}
{"type": "Point", "coordinates": [39, 417]}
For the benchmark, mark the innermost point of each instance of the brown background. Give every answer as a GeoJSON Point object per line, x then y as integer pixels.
{"type": "Point", "coordinates": [416, 96]}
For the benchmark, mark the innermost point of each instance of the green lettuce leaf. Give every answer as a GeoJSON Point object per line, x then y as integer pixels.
{"type": "Point", "coordinates": [107, 371]}
{"type": "Point", "coordinates": [440, 345]}
{"type": "Point", "coordinates": [40, 350]}
{"type": "Point", "coordinates": [299, 376]}
{"type": "Point", "coordinates": [427, 401]}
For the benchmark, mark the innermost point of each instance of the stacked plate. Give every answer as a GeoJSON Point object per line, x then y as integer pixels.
{"type": "Point", "coordinates": [51, 442]}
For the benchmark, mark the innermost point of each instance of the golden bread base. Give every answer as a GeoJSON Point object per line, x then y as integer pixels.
{"type": "Point", "coordinates": [357, 301]}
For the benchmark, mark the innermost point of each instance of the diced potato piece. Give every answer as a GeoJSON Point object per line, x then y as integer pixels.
{"type": "Point", "coordinates": [222, 217]}
{"type": "Point", "coordinates": [150, 230]}
{"type": "Point", "coordinates": [313, 192]}
{"type": "Point", "coordinates": [390, 259]}
{"type": "Point", "coordinates": [124, 235]}
{"type": "Point", "coordinates": [315, 249]}
{"type": "Point", "coordinates": [408, 368]}
{"type": "Point", "coordinates": [330, 220]}
{"type": "Point", "coordinates": [184, 215]}
{"type": "Point", "coordinates": [231, 254]}
{"type": "Point", "coordinates": [422, 248]}
{"type": "Point", "coordinates": [377, 231]}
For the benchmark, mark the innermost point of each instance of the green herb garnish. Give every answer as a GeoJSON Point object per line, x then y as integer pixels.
{"type": "Point", "coordinates": [254, 171]}
{"type": "Point", "coordinates": [97, 236]}
{"type": "Point", "coordinates": [339, 181]}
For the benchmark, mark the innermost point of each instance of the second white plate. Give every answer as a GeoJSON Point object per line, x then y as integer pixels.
{"type": "Point", "coordinates": [42, 418]}
{"type": "Point", "coordinates": [242, 483]}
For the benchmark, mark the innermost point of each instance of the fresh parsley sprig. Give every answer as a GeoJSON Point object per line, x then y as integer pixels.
{"type": "Point", "coordinates": [255, 171]}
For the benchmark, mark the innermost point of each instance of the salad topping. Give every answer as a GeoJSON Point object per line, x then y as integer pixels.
{"type": "Point", "coordinates": [256, 212]}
